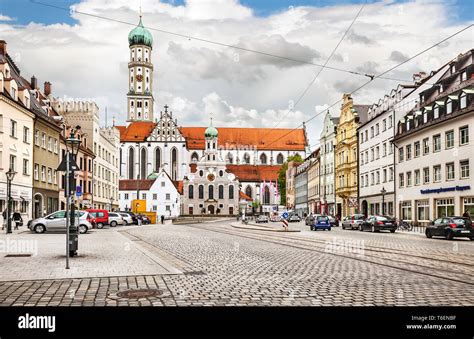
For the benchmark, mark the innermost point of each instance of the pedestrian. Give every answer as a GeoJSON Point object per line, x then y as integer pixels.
{"type": "Point", "coordinates": [4, 215]}
{"type": "Point", "coordinates": [162, 219]}
{"type": "Point", "coordinates": [17, 219]}
{"type": "Point", "coordinates": [139, 220]}
{"type": "Point", "coordinates": [466, 214]}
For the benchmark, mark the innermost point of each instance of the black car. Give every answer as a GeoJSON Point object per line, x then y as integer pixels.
{"type": "Point", "coordinates": [376, 223]}
{"type": "Point", "coordinates": [450, 227]}
{"type": "Point", "coordinates": [333, 221]}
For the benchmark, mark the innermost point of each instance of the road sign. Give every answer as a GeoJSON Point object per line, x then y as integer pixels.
{"type": "Point", "coordinates": [353, 202]}
{"type": "Point", "coordinates": [285, 224]}
{"type": "Point", "coordinates": [285, 215]}
{"type": "Point", "coordinates": [78, 191]}
{"type": "Point", "coordinates": [72, 163]}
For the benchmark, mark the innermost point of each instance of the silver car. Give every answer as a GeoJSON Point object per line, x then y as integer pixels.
{"type": "Point", "coordinates": [56, 222]}
{"type": "Point", "coordinates": [353, 222]}
{"type": "Point", "coordinates": [127, 218]}
{"type": "Point", "coordinates": [116, 219]}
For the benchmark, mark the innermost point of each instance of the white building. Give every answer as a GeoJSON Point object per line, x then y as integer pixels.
{"type": "Point", "coordinates": [327, 191]}
{"type": "Point", "coordinates": [16, 144]}
{"type": "Point", "coordinates": [434, 148]}
{"type": "Point", "coordinates": [162, 194]}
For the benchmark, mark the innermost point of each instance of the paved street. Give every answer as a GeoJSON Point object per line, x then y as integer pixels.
{"type": "Point", "coordinates": [217, 264]}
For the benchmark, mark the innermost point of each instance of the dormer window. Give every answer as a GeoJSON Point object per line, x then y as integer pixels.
{"type": "Point", "coordinates": [449, 106]}
{"type": "Point", "coordinates": [440, 88]}
{"type": "Point", "coordinates": [14, 93]}
{"type": "Point", "coordinates": [463, 76]}
{"type": "Point", "coordinates": [436, 112]}
{"type": "Point", "coordinates": [463, 100]}
{"type": "Point", "coordinates": [422, 98]}
{"type": "Point", "coordinates": [453, 69]}
{"type": "Point", "coordinates": [425, 117]}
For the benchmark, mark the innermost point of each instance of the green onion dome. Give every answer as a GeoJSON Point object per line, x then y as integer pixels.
{"type": "Point", "coordinates": [140, 36]}
{"type": "Point", "coordinates": [153, 176]}
{"type": "Point", "coordinates": [211, 132]}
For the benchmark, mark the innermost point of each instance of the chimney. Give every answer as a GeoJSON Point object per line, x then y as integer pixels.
{"type": "Point", "coordinates": [34, 82]}
{"type": "Point", "coordinates": [3, 47]}
{"type": "Point", "coordinates": [47, 88]}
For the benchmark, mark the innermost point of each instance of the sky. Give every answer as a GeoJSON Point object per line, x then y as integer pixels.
{"type": "Point", "coordinates": [86, 57]}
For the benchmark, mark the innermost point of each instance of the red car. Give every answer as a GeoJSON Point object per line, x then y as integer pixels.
{"type": "Point", "coordinates": [101, 217]}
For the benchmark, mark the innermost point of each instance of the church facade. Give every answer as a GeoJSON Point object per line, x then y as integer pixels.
{"type": "Point", "coordinates": [214, 171]}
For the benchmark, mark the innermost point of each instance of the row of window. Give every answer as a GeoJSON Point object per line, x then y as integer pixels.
{"type": "Point", "coordinates": [387, 149]}
{"type": "Point", "coordinates": [210, 192]}
{"type": "Point", "coordinates": [387, 175]}
{"type": "Point", "coordinates": [40, 140]}
{"type": "Point", "coordinates": [375, 130]}
{"type": "Point", "coordinates": [405, 153]}
{"type": "Point", "coordinates": [46, 174]}
{"type": "Point", "coordinates": [405, 179]}
{"type": "Point", "coordinates": [13, 166]}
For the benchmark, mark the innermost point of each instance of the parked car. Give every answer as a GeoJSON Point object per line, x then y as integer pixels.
{"type": "Point", "coordinates": [333, 221]}
{"type": "Point", "coordinates": [450, 227]}
{"type": "Point", "coordinates": [101, 217]}
{"type": "Point", "coordinates": [145, 220]}
{"type": "Point", "coordinates": [309, 220]}
{"type": "Point", "coordinates": [321, 222]}
{"type": "Point", "coordinates": [56, 222]}
{"type": "Point", "coordinates": [133, 215]}
{"type": "Point", "coordinates": [353, 221]}
{"type": "Point", "coordinates": [127, 218]}
{"type": "Point", "coordinates": [261, 219]}
{"type": "Point", "coordinates": [377, 223]}
{"type": "Point", "coordinates": [294, 218]}
{"type": "Point", "coordinates": [115, 219]}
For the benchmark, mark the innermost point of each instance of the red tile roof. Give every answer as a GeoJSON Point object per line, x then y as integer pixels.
{"type": "Point", "coordinates": [255, 173]}
{"type": "Point", "coordinates": [179, 186]}
{"type": "Point", "coordinates": [260, 138]}
{"type": "Point", "coordinates": [136, 131]}
{"type": "Point", "coordinates": [131, 184]}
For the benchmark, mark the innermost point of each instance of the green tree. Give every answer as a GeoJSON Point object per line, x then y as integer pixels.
{"type": "Point", "coordinates": [282, 177]}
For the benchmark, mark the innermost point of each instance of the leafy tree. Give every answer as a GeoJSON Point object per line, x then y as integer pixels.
{"type": "Point", "coordinates": [282, 177]}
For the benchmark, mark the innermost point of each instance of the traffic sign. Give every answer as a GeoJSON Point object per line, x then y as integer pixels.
{"type": "Point", "coordinates": [285, 215]}
{"type": "Point", "coordinates": [285, 224]}
{"type": "Point", "coordinates": [78, 191]}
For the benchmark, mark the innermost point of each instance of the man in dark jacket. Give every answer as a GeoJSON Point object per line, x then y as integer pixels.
{"type": "Point", "coordinates": [4, 215]}
{"type": "Point", "coordinates": [17, 219]}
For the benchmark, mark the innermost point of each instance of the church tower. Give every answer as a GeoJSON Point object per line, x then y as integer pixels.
{"type": "Point", "coordinates": [140, 71]}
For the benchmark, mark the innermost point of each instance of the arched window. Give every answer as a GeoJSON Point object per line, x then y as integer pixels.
{"type": "Point", "coordinates": [263, 158]}
{"type": "Point", "coordinates": [211, 192]}
{"type": "Point", "coordinates": [248, 191]}
{"type": "Point", "coordinates": [143, 162]}
{"type": "Point", "coordinates": [221, 191]}
{"type": "Point", "coordinates": [201, 191]}
{"type": "Point", "coordinates": [131, 163]}
{"type": "Point", "coordinates": [191, 192]}
{"type": "Point", "coordinates": [280, 158]}
{"type": "Point", "coordinates": [231, 192]}
{"type": "Point", "coordinates": [174, 164]}
{"type": "Point", "coordinates": [266, 196]}
{"type": "Point", "coordinates": [246, 158]}
{"type": "Point", "coordinates": [157, 159]}
{"type": "Point", "coordinates": [194, 157]}
{"type": "Point", "coordinates": [230, 158]}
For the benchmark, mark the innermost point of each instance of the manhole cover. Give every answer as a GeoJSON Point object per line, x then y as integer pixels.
{"type": "Point", "coordinates": [18, 255]}
{"type": "Point", "coordinates": [137, 294]}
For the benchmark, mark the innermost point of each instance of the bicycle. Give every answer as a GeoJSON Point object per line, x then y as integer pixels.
{"type": "Point", "coordinates": [405, 226]}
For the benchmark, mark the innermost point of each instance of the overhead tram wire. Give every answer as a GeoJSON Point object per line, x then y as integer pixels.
{"type": "Point", "coordinates": [375, 77]}
{"type": "Point", "coordinates": [218, 43]}
{"type": "Point", "coordinates": [319, 71]}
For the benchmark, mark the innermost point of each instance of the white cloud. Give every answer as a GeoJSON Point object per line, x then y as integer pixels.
{"type": "Point", "coordinates": [89, 59]}
{"type": "Point", "coordinates": [5, 18]}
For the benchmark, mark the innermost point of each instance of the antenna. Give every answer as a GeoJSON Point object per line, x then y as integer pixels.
{"type": "Point", "coordinates": [105, 116]}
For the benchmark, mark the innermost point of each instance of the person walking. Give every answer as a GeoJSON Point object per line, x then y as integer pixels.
{"type": "Point", "coordinates": [162, 219]}
{"type": "Point", "coordinates": [467, 214]}
{"type": "Point", "coordinates": [17, 219]}
{"type": "Point", "coordinates": [139, 220]}
{"type": "Point", "coordinates": [4, 215]}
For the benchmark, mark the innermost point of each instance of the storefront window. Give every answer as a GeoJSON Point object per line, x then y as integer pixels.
{"type": "Point", "coordinates": [468, 205]}
{"type": "Point", "coordinates": [406, 210]}
{"type": "Point", "coordinates": [423, 210]}
{"type": "Point", "coordinates": [444, 207]}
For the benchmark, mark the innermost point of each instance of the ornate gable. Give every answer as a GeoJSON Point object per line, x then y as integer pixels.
{"type": "Point", "coordinates": [166, 129]}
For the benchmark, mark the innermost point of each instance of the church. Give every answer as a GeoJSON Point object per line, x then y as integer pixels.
{"type": "Point", "coordinates": [213, 166]}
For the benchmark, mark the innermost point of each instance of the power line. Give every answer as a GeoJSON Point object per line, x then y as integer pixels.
{"type": "Point", "coordinates": [320, 70]}
{"type": "Point", "coordinates": [375, 77]}
{"type": "Point", "coordinates": [218, 43]}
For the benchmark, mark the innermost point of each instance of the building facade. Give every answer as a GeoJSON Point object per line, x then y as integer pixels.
{"type": "Point", "coordinates": [314, 183]}
{"type": "Point", "coordinates": [434, 148]}
{"type": "Point", "coordinates": [346, 156]}
{"type": "Point", "coordinates": [210, 189]}
{"type": "Point", "coordinates": [16, 130]}
{"type": "Point", "coordinates": [290, 184]}
{"type": "Point", "coordinates": [301, 189]}
{"type": "Point", "coordinates": [327, 165]}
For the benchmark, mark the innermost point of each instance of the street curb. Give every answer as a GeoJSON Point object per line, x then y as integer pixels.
{"type": "Point", "coordinates": [263, 229]}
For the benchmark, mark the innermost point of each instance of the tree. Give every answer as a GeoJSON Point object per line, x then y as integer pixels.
{"type": "Point", "coordinates": [282, 176]}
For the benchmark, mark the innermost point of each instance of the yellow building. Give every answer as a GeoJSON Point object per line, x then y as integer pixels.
{"type": "Point", "coordinates": [346, 156]}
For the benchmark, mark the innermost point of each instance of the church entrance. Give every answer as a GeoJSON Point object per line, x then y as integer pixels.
{"type": "Point", "coordinates": [210, 209]}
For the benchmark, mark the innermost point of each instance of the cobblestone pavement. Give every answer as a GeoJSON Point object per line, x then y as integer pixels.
{"type": "Point", "coordinates": [222, 265]}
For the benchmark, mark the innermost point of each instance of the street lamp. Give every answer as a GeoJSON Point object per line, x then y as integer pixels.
{"type": "Point", "coordinates": [383, 191]}
{"type": "Point", "coordinates": [72, 148]}
{"type": "Point", "coordinates": [10, 175]}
